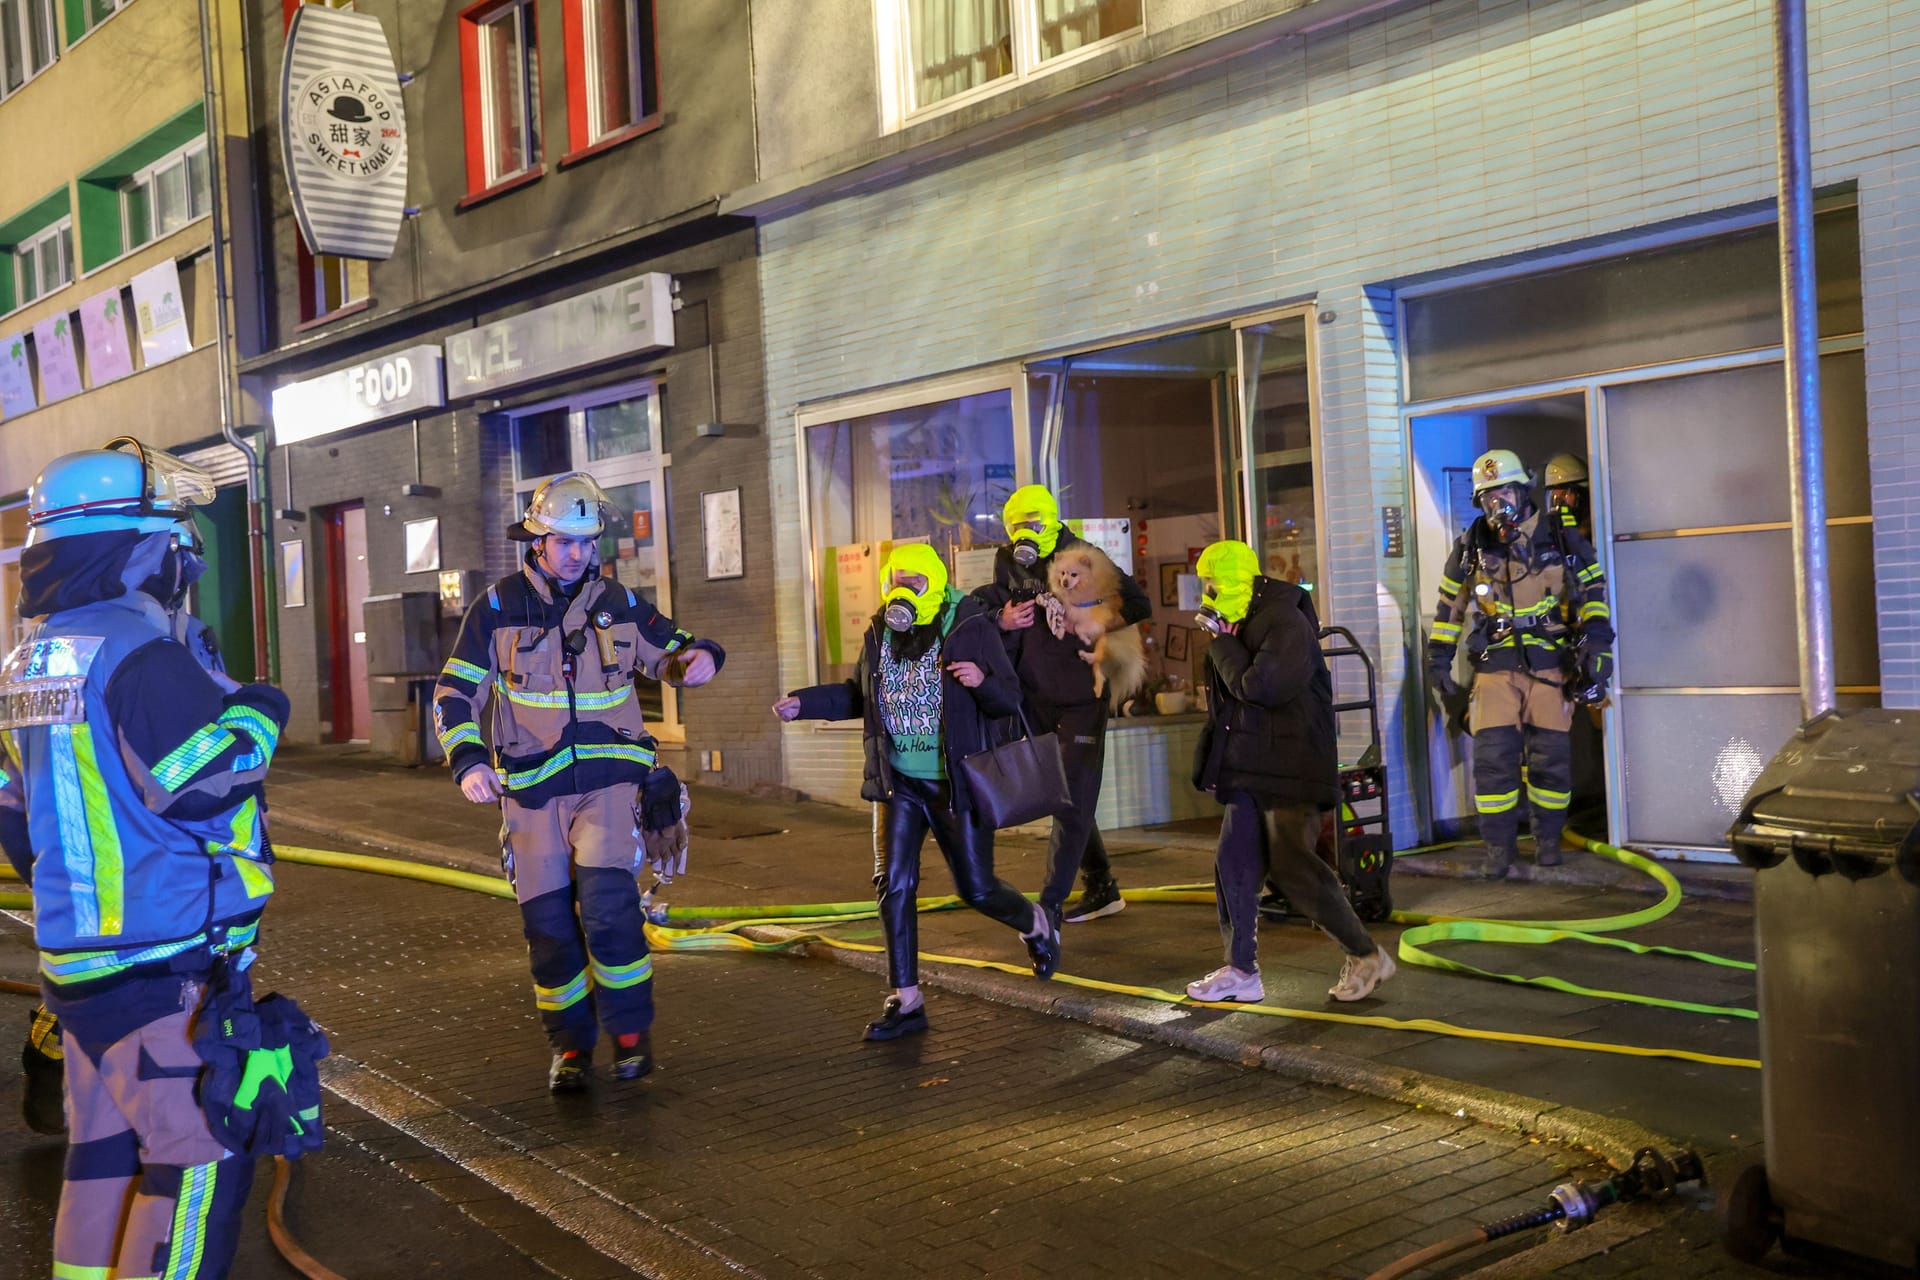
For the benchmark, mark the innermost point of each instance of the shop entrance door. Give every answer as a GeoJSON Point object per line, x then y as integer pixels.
{"type": "Point", "coordinates": [345, 531]}
{"type": "Point", "coordinates": [1444, 444]}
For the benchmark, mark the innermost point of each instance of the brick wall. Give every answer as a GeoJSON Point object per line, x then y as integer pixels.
{"type": "Point", "coordinates": [1328, 167]}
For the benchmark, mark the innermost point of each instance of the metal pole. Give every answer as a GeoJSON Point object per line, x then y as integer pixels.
{"type": "Point", "coordinates": [1806, 464]}
{"type": "Point", "coordinates": [256, 478]}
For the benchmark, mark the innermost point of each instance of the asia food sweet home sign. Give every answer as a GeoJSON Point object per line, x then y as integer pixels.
{"type": "Point", "coordinates": [343, 132]}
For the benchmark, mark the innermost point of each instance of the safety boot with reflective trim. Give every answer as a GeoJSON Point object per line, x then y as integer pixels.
{"type": "Point", "coordinates": [569, 1072]}
{"type": "Point", "coordinates": [632, 1056]}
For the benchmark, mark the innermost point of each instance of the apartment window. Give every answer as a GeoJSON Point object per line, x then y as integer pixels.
{"type": "Point", "coordinates": [500, 61]}
{"type": "Point", "coordinates": [43, 262]}
{"type": "Point", "coordinates": [949, 49]}
{"type": "Point", "coordinates": [165, 196]}
{"type": "Point", "coordinates": [92, 13]}
{"type": "Point", "coordinates": [611, 88]}
{"type": "Point", "coordinates": [338, 283]}
{"type": "Point", "coordinates": [27, 44]}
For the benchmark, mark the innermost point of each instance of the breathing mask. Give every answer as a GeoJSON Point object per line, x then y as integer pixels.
{"type": "Point", "coordinates": [903, 607]}
{"type": "Point", "coordinates": [1229, 569]}
{"type": "Point", "coordinates": [1504, 508]}
{"type": "Point", "coordinates": [1032, 506]}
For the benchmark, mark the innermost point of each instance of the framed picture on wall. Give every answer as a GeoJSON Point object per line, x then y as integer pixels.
{"type": "Point", "coordinates": [1170, 572]}
{"type": "Point", "coordinates": [293, 574]}
{"type": "Point", "coordinates": [1177, 643]}
{"type": "Point", "coordinates": [720, 531]}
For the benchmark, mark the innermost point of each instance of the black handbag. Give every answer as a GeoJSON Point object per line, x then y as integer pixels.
{"type": "Point", "coordinates": [1020, 781]}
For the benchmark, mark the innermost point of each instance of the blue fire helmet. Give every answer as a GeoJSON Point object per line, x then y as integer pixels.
{"type": "Point", "coordinates": [123, 486]}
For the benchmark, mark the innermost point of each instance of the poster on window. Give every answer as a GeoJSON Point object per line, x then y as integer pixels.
{"type": "Point", "coordinates": [973, 567]}
{"type": "Point", "coordinates": [850, 593]}
{"type": "Point", "coordinates": [103, 327]}
{"type": "Point", "coordinates": [1115, 537]}
{"type": "Point", "coordinates": [16, 380]}
{"type": "Point", "coordinates": [59, 362]}
{"type": "Point", "coordinates": [160, 314]}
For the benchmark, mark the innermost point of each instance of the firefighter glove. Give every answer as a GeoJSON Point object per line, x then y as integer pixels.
{"type": "Point", "coordinates": [663, 823]}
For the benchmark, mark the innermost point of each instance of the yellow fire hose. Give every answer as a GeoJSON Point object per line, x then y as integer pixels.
{"type": "Point", "coordinates": [1427, 931]}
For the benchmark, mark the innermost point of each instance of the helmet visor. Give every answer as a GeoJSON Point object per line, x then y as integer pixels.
{"type": "Point", "coordinates": [178, 484]}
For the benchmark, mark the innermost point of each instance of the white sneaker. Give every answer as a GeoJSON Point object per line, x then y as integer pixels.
{"type": "Point", "coordinates": [1361, 974]}
{"type": "Point", "coordinates": [1228, 983]}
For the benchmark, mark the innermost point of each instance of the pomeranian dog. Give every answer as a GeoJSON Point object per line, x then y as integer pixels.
{"type": "Point", "coordinates": [1087, 585]}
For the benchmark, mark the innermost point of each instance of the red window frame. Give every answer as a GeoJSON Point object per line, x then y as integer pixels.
{"type": "Point", "coordinates": [474, 107]}
{"type": "Point", "coordinates": [574, 43]}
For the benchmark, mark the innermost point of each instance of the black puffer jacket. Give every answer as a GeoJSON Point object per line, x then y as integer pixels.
{"type": "Point", "coordinates": [1270, 732]}
{"type": "Point", "coordinates": [967, 716]}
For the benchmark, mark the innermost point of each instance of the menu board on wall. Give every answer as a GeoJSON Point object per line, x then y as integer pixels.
{"type": "Point", "coordinates": [161, 314]}
{"type": "Point", "coordinates": [59, 362]}
{"type": "Point", "coordinates": [16, 380]}
{"type": "Point", "coordinates": [103, 326]}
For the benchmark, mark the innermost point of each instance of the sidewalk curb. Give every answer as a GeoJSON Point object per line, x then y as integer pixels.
{"type": "Point", "coordinates": [617, 1230]}
{"type": "Point", "coordinates": [1613, 1139]}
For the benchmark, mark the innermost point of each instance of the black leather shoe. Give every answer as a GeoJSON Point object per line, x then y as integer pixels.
{"type": "Point", "coordinates": [630, 1062]}
{"type": "Point", "coordinates": [569, 1072]}
{"type": "Point", "coordinates": [1044, 950]}
{"type": "Point", "coordinates": [892, 1023]}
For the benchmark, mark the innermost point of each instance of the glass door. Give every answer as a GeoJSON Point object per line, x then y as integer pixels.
{"type": "Point", "coordinates": [613, 435]}
{"type": "Point", "coordinates": [1278, 440]}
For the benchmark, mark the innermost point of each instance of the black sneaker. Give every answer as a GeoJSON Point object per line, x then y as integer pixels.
{"type": "Point", "coordinates": [1044, 950]}
{"type": "Point", "coordinates": [569, 1072]}
{"type": "Point", "coordinates": [43, 1098]}
{"type": "Point", "coordinates": [1100, 899]}
{"type": "Point", "coordinates": [631, 1061]}
{"type": "Point", "coordinates": [1273, 906]}
{"type": "Point", "coordinates": [892, 1023]}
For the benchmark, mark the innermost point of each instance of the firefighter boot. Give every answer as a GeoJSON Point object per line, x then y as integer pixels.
{"type": "Point", "coordinates": [632, 1055]}
{"type": "Point", "coordinates": [43, 1097]}
{"type": "Point", "coordinates": [1499, 862]}
{"type": "Point", "coordinates": [569, 1072]}
{"type": "Point", "coordinates": [1546, 851]}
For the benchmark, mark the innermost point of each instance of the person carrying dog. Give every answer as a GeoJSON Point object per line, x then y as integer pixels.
{"type": "Point", "coordinates": [932, 678]}
{"type": "Point", "coordinates": [1268, 756]}
{"type": "Point", "coordinates": [1056, 676]}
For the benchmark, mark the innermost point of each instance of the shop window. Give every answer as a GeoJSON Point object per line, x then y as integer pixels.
{"type": "Point", "coordinates": [612, 90]}
{"type": "Point", "coordinates": [27, 43]}
{"type": "Point", "coordinates": [500, 62]}
{"type": "Point", "coordinates": [43, 263]}
{"type": "Point", "coordinates": [614, 436]}
{"type": "Point", "coordinates": [945, 50]}
{"type": "Point", "coordinates": [936, 473]}
{"type": "Point", "coordinates": [1699, 299]}
{"type": "Point", "coordinates": [165, 196]}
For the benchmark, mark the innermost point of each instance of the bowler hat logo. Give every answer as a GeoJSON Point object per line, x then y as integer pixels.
{"type": "Point", "coordinates": [349, 125]}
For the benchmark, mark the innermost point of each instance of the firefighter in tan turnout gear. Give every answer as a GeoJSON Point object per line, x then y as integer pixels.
{"type": "Point", "coordinates": [557, 646]}
{"type": "Point", "coordinates": [1531, 597]}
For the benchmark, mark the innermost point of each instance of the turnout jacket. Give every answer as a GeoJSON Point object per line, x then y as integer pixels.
{"type": "Point", "coordinates": [1052, 672]}
{"type": "Point", "coordinates": [1547, 583]}
{"type": "Point", "coordinates": [966, 715]}
{"type": "Point", "coordinates": [1270, 731]}
{"type": "Point", "coordinates": [559, 665]}
{"type": "Point", "coordinates": [135, 780]}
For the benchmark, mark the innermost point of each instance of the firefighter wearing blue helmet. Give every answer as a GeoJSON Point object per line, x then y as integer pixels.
{"type": "Point", "coordinates": [130, 797]}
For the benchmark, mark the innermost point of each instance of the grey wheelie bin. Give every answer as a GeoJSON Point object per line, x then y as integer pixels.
{"type": "Point", "coordinates": [1832, 828]}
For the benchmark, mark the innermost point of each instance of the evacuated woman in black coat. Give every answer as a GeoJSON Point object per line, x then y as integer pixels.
{"type": "Point", "coordinates": [1268, 755]}
{"type": "Point", "coordinates": [933, 676]}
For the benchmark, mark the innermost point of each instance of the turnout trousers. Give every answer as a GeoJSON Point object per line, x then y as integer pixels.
{"type": "Point", "coordinates": [1520, 722]}
{"type": "Point", "coordinates": [149, 1192]}
{"type": "Point", "coordinates": [572, 865]}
